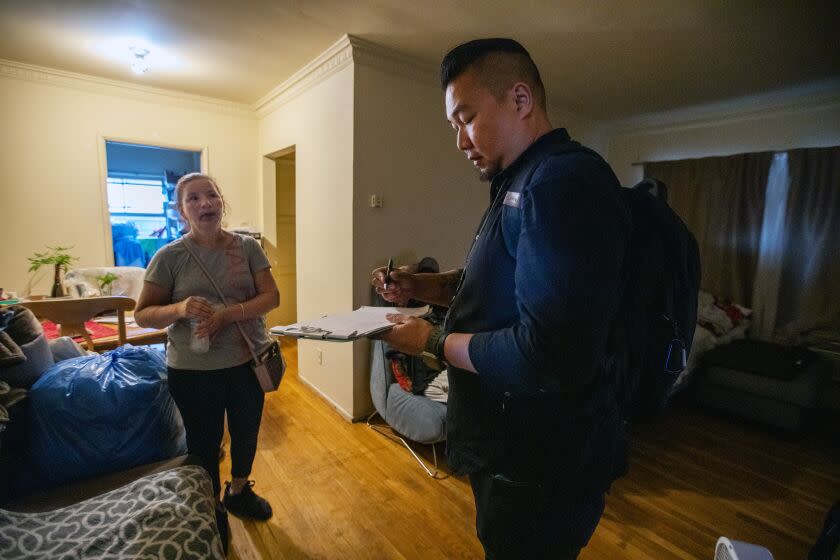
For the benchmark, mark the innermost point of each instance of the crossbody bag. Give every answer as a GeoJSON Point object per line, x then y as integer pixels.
{"type": "Point", "coordinates": [269, 366]}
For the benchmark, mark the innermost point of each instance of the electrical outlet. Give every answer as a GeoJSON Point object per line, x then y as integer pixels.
{"type": "Point", "coordinates": [319, 356]}
{"type": "Point", "coordinates": [376, 201]}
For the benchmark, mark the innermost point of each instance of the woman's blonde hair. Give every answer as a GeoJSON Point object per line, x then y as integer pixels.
{"type": "Point", "coordinates": [189, 178]}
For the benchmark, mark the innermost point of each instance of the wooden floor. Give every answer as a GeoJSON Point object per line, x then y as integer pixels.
{"type": "Point", "coordinates": [342, 491]}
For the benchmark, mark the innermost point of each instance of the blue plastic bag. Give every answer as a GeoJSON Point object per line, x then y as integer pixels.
{"type": "Point", "coordinates": [102, 413]}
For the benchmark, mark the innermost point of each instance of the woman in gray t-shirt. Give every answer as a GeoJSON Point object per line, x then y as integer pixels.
{"type": "Point", "coordinates": [207, 380]}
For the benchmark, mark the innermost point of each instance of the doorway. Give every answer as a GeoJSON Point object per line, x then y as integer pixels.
{"type": "Point", "coordinates": [283, 256]}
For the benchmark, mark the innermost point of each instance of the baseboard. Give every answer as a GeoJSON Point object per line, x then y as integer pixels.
{"type": "Point", "coordinates": [338, 408]}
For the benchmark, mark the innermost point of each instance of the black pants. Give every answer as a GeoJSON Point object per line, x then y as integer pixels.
{"type": "Point", "coordinates": [517, 520]}
{"type": "Point", "coordinates": [203, 397]}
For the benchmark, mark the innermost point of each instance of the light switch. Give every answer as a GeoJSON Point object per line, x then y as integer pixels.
{"type": "Point", "coordinates": [375, 201]}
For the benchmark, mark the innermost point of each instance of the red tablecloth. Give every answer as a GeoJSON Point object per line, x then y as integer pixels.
{"type": "Point", "coordinates": [95, 329]}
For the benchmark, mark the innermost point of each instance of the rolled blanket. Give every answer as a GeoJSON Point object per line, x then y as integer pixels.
{"type": "Point", "coordinates": [23, 327]}
{"type": "Point", "coordinates": [8, 397]}
{"type": "Point", "coordinates": [10, 352]}
{"type": "Point", "coordinates": [20, 327]}
{"type": "Point", "coordinates": [5, 318]}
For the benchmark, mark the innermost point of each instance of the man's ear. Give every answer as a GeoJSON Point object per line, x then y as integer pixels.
{"type": "Point", "coordinates": [523, 98]}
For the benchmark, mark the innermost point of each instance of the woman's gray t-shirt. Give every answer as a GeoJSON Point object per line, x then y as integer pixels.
{"type": "Point", "coordinates": [233, 268]}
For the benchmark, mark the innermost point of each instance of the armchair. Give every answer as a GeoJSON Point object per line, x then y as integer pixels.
{"type": "Point", "coordinates": [416, 417]}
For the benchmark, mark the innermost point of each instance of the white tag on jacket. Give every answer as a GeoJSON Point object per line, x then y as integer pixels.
{"type": "Point", "coordinates": [513, 199]}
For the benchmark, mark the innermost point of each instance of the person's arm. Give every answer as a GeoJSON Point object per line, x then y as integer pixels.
{"type": "Point", "coordinates": [435, 288]}
{"type": "Point", "coordinates": [568, 276]}
{"type": "Point", "coordinates": [456, 351]}
{"type": "Point", "coordinates": [410, 335]}
{"type": "Point", "coordinates": [155, 309]}
{"type": "Point", "coordinates": [438, 289]}
{"type": "Point", "coordinates": [567, 282]}
{"type": "Point", "coordinates": [267, 298]}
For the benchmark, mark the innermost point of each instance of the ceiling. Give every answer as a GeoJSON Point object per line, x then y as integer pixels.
{"type": "Point", "coordinates": [600, 59]}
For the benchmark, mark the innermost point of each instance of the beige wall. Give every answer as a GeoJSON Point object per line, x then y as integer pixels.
{"type": "Point", "coordinates": [580, 129]}
{"type": "Point", "coordinates": [353, 138]}
{"type": "Point", "coordinates": [52, 130]}
{"type": "Point", "coordinates": [802, 118]}
{"type": "Point", "coordinates": [405, 152]}
{"type": "Point", "coordinates": [432, 196]}
{"type": "Point", "coordinates": [319, 125]}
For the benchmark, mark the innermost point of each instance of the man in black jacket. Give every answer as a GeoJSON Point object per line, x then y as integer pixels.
{"type": "Point", "coordinates": [531, 416]}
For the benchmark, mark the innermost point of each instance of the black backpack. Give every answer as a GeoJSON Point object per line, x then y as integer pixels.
{"type": "Point", "coordinates": [658, 312]}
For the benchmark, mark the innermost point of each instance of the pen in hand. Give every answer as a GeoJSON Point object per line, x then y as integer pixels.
{"type": "Point", "coordinates": [388, 270]}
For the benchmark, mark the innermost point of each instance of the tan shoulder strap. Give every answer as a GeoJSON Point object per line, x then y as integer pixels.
{"type": "Point", "coordinates": [250, 344]}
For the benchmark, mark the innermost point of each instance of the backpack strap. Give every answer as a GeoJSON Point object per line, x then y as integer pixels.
{"type": "Point", "coordinates": [675, 357]}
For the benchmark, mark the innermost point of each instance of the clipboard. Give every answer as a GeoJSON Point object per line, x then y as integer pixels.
{"type": "Point", "coordinates": [344, 327]}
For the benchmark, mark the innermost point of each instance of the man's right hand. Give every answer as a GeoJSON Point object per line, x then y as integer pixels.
{"type": "Point", "coordinates": [402, 285]}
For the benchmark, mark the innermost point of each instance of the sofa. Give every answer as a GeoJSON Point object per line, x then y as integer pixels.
{"type": "Point", "coordinates": [764, 382]}
{"type": "Point", "coordinates": [413, 417]}
{"type": "Point", "coordinates": [83, 282]}
{"type": "Point", "coordinates": [165, 508]}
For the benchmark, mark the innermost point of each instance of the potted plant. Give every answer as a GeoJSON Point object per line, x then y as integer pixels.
{"type": "Point", "coordinates": [106, 282]}
{"type": "Point", "coordinates": [60, 259]}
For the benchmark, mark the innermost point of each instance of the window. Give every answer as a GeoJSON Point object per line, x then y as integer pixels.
{"type": "Point", "coordinates": [141, 190]}
{"type": "Point", "coordinates": [135, 196]}
{"type": "Point", "coordinates": [138, 220]}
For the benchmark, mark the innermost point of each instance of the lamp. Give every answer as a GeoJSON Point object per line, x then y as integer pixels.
{"type": "Point", "coordinates": [139, 65]}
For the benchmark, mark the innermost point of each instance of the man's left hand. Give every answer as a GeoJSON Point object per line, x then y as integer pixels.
{"type": "Point", "coordinates": [409, 334]}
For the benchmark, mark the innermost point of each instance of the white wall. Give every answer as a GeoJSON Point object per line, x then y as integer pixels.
{"type": "Point", "coordinates": [804, 117]}
{"type": "Point", "coordinates": [319, 125]}
{"type": "Point", "coordinates": [53, 126]}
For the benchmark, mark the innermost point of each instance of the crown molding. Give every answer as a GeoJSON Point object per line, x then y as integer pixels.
{"type": "Point", "coordinates": [347, 50]}
{"type": "Point", "coordinates": [815, 96]}
{"type": "Point", "coordinates": [391, 61]}
{"type": "Point", "coordinates": [336, 57]}
{"type": "Point", "coordinates": [95, 84]}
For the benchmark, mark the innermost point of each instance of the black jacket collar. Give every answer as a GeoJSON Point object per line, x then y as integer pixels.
{"type": "Point", "coordinates": [538, 148]}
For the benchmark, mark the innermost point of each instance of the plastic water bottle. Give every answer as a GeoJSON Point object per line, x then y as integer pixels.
{"type": "Point", "coordinates": [198, 345]}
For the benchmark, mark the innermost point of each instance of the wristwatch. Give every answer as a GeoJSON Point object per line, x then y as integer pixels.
{"type": "Point", "coordinates": [434, 344]}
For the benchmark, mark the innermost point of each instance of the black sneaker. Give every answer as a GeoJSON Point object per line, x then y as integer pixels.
{"type": "Point", "coordinates": [246, 503]}
{"type": "Point", "coordinates": [223, 526]}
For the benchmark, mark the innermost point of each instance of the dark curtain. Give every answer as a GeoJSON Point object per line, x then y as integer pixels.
{"type": "Point", "coordinates": [721, 199]}
{"type": "Point", "coordinates": [809, 293]}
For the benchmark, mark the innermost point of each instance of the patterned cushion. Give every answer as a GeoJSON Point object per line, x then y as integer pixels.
{"type": "Point", "coordinates": [164, 515]}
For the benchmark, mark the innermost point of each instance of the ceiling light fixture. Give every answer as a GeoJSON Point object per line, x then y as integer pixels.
{"type": "Point", "coordinates": [139, 64]}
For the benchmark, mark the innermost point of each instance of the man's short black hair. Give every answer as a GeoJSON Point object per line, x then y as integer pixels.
{"type": "Point", "coordinates": [499, 63]}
